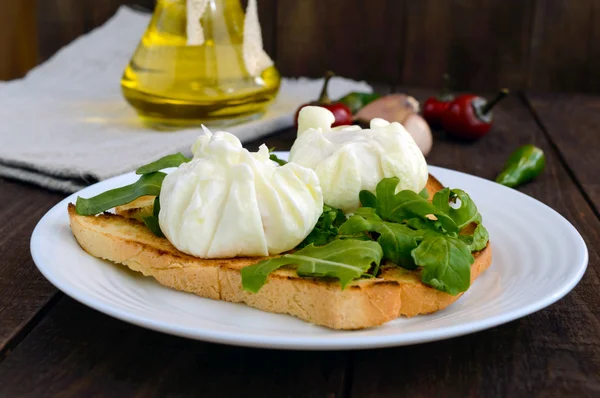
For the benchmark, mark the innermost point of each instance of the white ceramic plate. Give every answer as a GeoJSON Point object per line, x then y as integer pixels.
{"type": "Point", "coordinates": [538, 257]}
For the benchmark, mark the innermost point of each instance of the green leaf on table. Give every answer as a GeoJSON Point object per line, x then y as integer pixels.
{"type": "Point", "coordinates": [165, 162]}
{"type": "Point", "coordinates": [326, 228]}
{"type": "Point", "coordinates": [396, 240]}
{"type": "Point", "coordinates": [404, 205]}
{"type": "Point", "coordinates": [446, 262]}
{"type": "Point", "coordinates": [148, 184]}
{"type": "Point", "coordinates": [345, 260]}
{"type": "Point", "coordinates": [458, 205]}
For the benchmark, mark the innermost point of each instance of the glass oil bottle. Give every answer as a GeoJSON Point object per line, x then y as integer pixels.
{"type": "Point", "coordinates": [172, 84]}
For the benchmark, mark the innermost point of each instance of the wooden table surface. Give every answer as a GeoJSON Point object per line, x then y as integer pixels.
{"type": "Point", "coordinates": [50, 344]}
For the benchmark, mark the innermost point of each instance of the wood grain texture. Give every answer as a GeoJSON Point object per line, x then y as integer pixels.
{"type": "Point", "coordinates": [552, 353]}
{"type": "Point", "coordinates": [354, 38]}
{"type": "Point", "coordinates": [23, 290]}
{"type": "Point", "coordinates": [572, 123]}
{"type": "Point", "coordinates": [61, 21]}
{"type": "Point", "coordinates": [18, 38]}
{"type": "Point", "coordinates": [560, 45]}
{"type": "Point", "coordinates": [481, 44]}
{"type": "Point", "coordinates": [78, 352]}
{"type": "Point", "coordinates": [593, 82]}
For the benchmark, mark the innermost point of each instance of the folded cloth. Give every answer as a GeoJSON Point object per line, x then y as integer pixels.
{"type": "Point", "coordinates": [66, 125]}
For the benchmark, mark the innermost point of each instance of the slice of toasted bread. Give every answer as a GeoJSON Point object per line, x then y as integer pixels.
{"type": "Point", "coordinates": [364, 303]}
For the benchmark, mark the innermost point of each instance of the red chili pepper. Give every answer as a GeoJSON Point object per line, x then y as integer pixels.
{"type": "Point", "coordinates": [435, 107]}
{"type": "Point", "coordinates": [343, 114]}
{"type": "Point", "coordinates": [469, 116]}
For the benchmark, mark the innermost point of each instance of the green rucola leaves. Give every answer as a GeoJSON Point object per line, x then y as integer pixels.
{"type": "Point", "coordinates": [367, 199]}
{"type": "Point", "coordinates": [148, 184]}
{"type": "Point", "coordinates": [477, 241]}
{"type": "Point", "coordinates": [327, 227]}
{"type": "Point", "coordinates": [274, 158]}
{"type": "Point", "coordinates": [152, 221]}
{"type": "Point", "coordinates": [458, 205]}
{"type": "Point", "coordinates": [396, 240]}
{"type": "Point", "coordinates": [345, 260]}
{"type": "Point", "coordinates": [462, 209]}
{"type": "Point", "coordinates": [480, 238]}
{"type": "Point", "coordinates": [165, 162]}
{"type": "Point", "coordinates": [401, 206]}
{"type": "Point", "coordinates": [446, 262]}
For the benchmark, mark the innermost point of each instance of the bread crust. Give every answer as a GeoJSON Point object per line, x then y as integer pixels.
{"type": "Point", "coordinates": [364, 303]}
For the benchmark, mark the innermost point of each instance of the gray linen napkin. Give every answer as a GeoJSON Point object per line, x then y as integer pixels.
{"type": "Point", "coordinates": [66, 125]}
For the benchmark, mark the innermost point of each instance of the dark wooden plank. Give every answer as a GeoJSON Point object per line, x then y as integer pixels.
{"type": "Point", "coordinates": [17, 38]}
{"type": "Point", "coordinates": [573, 123]}
{"type": "Point", "coordinates": [98, 12]}
{"type": "Point", "coordinates": [354, 38]}
{"type": "Point", "coordinates": [560, 45]}
{"type": "Point", "coordinates": [78, 352]}
{"type": "Point", "coordinates": [482, 44]}
{"type": "Point", "coordinates": [552, 353]}
{"type": "Point", "coordinates": [61, 21]}
{"type": "Point", "coordinates": [23, 290]}
{"type": "Point", "coordinates": [593, 61]}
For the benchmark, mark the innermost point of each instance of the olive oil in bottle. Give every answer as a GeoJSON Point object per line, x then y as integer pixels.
{"type": "Point", "coordinates": [172, 84]}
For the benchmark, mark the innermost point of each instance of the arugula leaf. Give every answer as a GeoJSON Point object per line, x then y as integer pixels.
{"type": "Point", "coordinates": [165, 162]}
{"type": "Point", "coordinates": [152, 221]}
{"type": "Point", "coordinates": [424, 224]}
{"type": "Point", "coordinates": [326, 228]}
{"type": "Point", "coordinates": [148, 184]}
{"type": "Point", "coordinates": [441, 200]}
{"type": "Point", "coordinates": [481, 237]}
{"type": "Point", "coordinates": [424, 193]}
{"type": "Point", "coordinates": [446, 262]}
{"type": "Point", "coordinates": [367, 199]}
{"type": "Point", "coordinates": [463, 215]}
{"type": "Point", "coordinates": [401, 206]}
{"type": "Point", "coordinates": [345, 260]}
{"type": "Point", "coordinates": [396, 240]}
{"type": "Point", "coordinates": [156, 207]}
{"type": "Point", "coordinates": [153, 225]}
{"type": "Point", "coordinates": [367, 212]}
{"type": "Point", "coordinates": [477, 241]}
{"type": "Point", "coordinates": [274, 158]}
